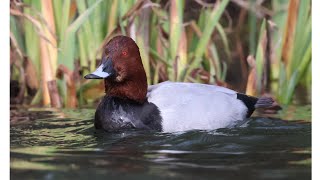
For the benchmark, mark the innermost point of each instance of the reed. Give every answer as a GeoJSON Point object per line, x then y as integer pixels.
{"type": "Point", "coordinates": [65, 37]}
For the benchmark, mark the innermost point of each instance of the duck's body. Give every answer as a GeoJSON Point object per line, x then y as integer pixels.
{"type": "Point", "coordinates": [185, 106]}
{"type": "Point", "coordinates": [167, 106]}
{"type": "Point", "coordinates": [172, 106]}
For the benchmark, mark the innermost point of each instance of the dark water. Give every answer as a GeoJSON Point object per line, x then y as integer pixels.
{"type": "Point", "coordinates": [62, 144]}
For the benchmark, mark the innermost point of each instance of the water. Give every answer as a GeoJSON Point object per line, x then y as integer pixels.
{"type": "Point", "coordinates": [62, 144]}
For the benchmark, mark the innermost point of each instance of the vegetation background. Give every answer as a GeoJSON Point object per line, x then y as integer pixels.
{"type": "Point", "coordinates": [260, 47]}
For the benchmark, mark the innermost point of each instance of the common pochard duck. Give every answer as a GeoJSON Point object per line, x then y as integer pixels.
{"type": "Point", "coordinates": [167, 106]}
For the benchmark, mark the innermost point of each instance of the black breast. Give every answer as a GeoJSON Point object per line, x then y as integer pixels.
{"type": "Point", "coordinates": [115, 114]}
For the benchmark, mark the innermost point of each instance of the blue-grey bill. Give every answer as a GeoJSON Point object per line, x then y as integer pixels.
{"type": "Point", "coordinates": [97, 74]}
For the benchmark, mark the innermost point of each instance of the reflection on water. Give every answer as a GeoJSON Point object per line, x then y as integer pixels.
{"type": "Point", "coordinates": [62, 144]}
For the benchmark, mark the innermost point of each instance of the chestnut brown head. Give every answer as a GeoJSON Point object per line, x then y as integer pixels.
{"type": "Point", "coordinates": [122, 69]}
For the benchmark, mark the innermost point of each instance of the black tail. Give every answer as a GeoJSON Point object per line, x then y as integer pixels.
{"type": "Point", "coordinates": [252, 102]}
{"type": "Point", "coordinates": [264, 102]}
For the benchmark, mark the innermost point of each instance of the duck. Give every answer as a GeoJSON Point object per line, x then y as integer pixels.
{"type": "Point", "coordinates": [130, 103]}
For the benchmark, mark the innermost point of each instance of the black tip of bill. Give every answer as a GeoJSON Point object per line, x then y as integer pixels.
{"type": "Point", "coordinates": [92, 76]}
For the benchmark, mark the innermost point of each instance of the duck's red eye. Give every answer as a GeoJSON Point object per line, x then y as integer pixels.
{"type": "Point", "coordinates": [124, 53]}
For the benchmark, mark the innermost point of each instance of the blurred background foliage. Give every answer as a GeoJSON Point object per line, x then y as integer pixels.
{"type": "Point", "coordinates": [258, 47]}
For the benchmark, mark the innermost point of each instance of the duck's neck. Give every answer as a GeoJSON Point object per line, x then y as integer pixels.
{"type": "Point", "coordinates": [135, 90]}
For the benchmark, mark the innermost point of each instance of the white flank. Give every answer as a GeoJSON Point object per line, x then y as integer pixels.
{"type": "Point", "coordinates": [187, 106]}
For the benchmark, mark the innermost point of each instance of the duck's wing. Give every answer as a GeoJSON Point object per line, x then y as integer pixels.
{"type": "Point", "coordinates": [194, 87]}
{"type": "Point", "coordinates": [185, 106]}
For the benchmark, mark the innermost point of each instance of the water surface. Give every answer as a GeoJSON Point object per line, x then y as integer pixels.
{"type": "Point", "coordinates": [62, 144]}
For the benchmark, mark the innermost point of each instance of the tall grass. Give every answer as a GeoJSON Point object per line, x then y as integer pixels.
{"type": "Point", "coordinates": [171, 46]}
{"type": "Point", "coordinates": [293, 61]}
